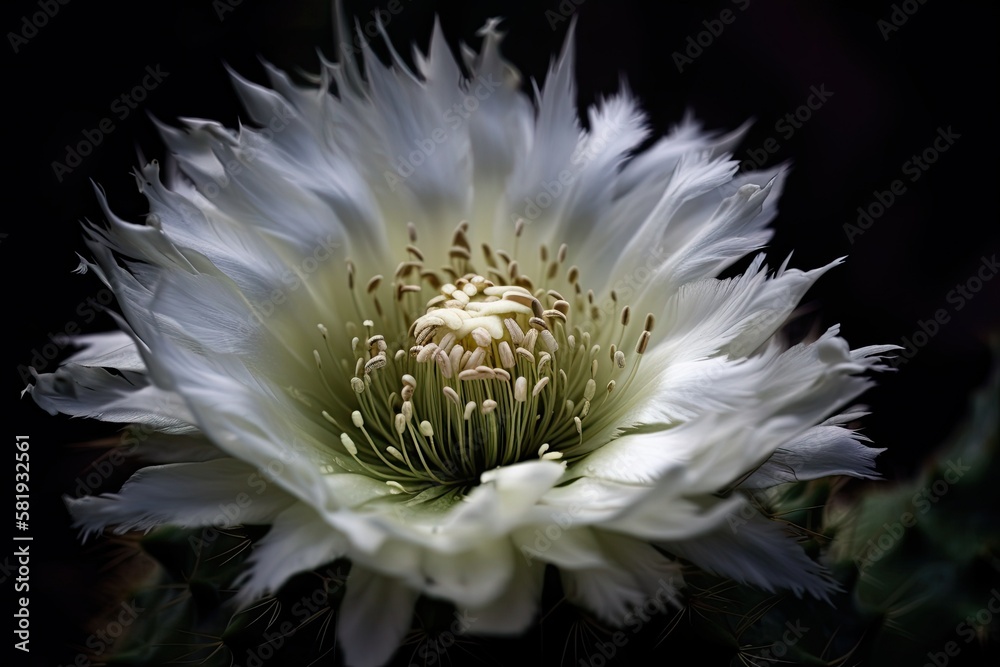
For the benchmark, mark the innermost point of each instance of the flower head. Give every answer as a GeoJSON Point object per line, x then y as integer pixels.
{"type": "Point", "coordinates": [455, 337]}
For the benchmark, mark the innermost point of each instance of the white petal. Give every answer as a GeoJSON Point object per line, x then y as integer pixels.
{"type": "Point", "coordinates": [298, 541]}
{"type": "Point", "coordinates": [634, 577]}
{"type": "Point", "coordinates": [474, 577]}
{"type": "Point", "coordinates": [222, 492]}
{"type": "Point", "coordinates": [83, 391]}
{"type": "Point", "coordinates": [756, 551]}
{"type": "Point", "coordinates": [373, 618]}
{"type": "Point", "coordinates": [559, 543]}
{"type": "Point", "coordinates": [821, 451]}
{"type": "Point", "coordinates": [514, 610]}
{"type": "Point", "coordinates": [114, 349]}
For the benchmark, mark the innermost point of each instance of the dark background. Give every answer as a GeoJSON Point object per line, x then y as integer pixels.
{"type": "Point", "coordinates": [891, 93]}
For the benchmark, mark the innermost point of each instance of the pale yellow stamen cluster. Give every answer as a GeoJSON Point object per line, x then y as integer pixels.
{"type": "Point", "coordinates": [492, 370]}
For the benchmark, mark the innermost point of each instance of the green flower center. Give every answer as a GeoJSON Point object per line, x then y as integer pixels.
{"type": "Point", "coordinates": [498, 368]}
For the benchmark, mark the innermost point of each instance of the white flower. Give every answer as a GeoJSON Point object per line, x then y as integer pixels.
{"type": "Point", "coordinates": [455, 338]}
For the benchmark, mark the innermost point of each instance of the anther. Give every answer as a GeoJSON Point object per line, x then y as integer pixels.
{"type": "Point", "coordinates": [476, 358]}
{"type": "Point", "coordinates": [538, 323]}
{"type": "Point", "coordinates": [349, 445]}
{"type": "Point", "coordinates": [640, 347]}
{"type": "Point", "coordinates": [521, 389]}
{"type": "Point", "coordinates": [375, 363]}
{"type": "Point", "coordinates": [549, 341]}
{"type": "Point", "coordinates": [516, 335]}
{"type": "Point", "coordinates": [506, 356]}
{"type": "Point", "coordinates": [459, 239]}
{"type": "Point", "coordinates": [529, 340]}
{"type": "Point", "coordinates": [482, 337]}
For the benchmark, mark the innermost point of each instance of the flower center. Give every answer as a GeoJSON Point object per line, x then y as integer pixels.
{"type": "Point", "coordinates": [498, 369]}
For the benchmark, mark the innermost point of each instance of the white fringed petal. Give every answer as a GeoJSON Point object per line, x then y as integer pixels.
{"type": "Point", "coordinates": [633, 574]}
{"type": "Point", "coordinates": [513, 611]}
{"type": "Point", "coordinates": [83, 391]}
{"type": "Point", "coordinates": [759, 552]}
{"type": "Point", "coordinates": [373, 617]}
{"type": "Point", "coordinates": [822, 451]}
{"type": "Point", "coordinates": [298, 541]}
{"type": "Point", "coordinates": [223, 493]}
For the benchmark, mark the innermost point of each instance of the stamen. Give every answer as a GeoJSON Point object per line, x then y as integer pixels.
{"type": "Point", "coordinates": [495, 364]}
